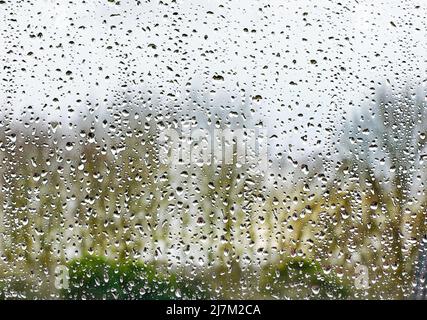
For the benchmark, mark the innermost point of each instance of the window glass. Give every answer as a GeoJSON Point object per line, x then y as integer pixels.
{"type": "Point", "coordinates": [213, 149]}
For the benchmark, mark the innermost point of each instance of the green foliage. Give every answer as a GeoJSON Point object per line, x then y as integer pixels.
{"type": "Point", "coordinates": [126, 201]}
{"type": "Point", "coordinates": [298, 277]}
{"type": "Point", "coordinates": [99, 278]}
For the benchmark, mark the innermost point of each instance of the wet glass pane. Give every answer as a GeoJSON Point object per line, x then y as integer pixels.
{"type": "Point", "coordinates": [213, 149]}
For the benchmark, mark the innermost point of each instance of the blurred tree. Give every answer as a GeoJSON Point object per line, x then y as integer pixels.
{"type": "Point", "coordinates": [383, 154]}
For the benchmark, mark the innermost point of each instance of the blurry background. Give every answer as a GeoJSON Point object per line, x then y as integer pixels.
{"type": "Point", "coordinates": [89, 210]}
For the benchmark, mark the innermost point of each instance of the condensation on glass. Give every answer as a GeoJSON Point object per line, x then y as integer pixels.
{"type": "Point", "coordinates": [213, 149]}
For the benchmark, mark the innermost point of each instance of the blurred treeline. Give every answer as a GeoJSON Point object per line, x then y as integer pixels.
{"type": "Point", "coordinates": [94, 196]}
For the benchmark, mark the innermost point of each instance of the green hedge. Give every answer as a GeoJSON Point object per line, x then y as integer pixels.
{"type": "Point", "coordinates": [100, 278]}
{"type": "Point", "coordinates": [298, 278]}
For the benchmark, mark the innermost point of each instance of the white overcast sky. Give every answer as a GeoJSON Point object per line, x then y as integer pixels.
{"type": "Point", "coordinates": [265, 47]}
